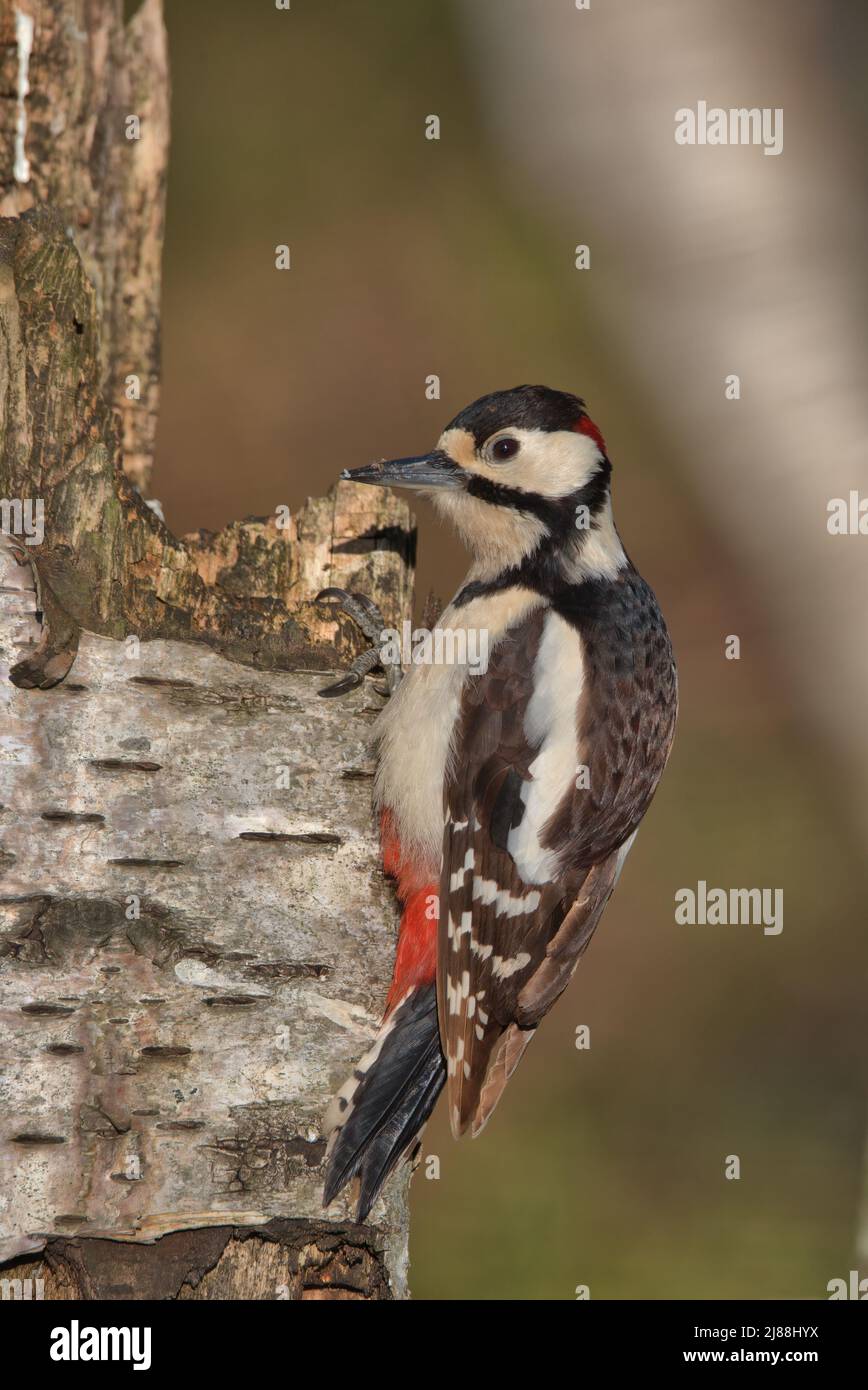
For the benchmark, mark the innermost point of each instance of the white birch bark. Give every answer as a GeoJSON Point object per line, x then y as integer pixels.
{"type": "Point", "coordinates": [193, 953]}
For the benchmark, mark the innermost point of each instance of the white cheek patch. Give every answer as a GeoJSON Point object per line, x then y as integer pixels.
{"type": "Point", "coordinates": [557, 463]}
{"type": "Point", "coordinates": [553, 463]}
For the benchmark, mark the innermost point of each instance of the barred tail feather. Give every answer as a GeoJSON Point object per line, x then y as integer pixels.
{"type": "Point", "coordinates": [378, 1113]}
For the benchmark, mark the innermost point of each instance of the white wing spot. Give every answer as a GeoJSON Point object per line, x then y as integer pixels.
{"type": "Point", "coordinates": [503, 968]}
{"type": "Point", "coordinates": [457, 879]}
{"type": "Point", "coordinates": [453, 997]}
{"type": "Point", "coordinates": [505, 904]}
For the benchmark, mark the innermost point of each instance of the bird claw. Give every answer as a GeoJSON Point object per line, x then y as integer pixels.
{"type": "Point", "coordinates": [363, 611]}
{"type": "Point", "coordinates": [368, 618]}
{"type": "Point", "coordinates": [354, 677]}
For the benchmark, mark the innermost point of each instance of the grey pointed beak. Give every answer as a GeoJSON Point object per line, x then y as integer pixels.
{"type": "Point", "coordinates": [436, 469]}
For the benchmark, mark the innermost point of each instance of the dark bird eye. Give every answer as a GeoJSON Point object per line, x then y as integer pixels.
{"type": "Point", "coordinates": [504, 449]}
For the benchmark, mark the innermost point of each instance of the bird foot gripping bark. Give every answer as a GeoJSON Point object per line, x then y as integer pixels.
{"type": "Point", "coordinates": [368, 618]}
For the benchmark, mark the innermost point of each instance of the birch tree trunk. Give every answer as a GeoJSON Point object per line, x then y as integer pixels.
{"type": "Point", "coordinates": [195, 933]}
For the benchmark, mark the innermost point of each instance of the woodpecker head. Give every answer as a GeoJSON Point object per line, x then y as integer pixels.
{"type": "Point", "coordinates": [519, 473]}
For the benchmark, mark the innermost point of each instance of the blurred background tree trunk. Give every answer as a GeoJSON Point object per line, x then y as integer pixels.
{"type": "Point", "coordinates": [195, 935]}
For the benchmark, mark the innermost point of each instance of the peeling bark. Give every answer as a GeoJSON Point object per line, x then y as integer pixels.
{"type": "Point", "coordinates": [195, 933]}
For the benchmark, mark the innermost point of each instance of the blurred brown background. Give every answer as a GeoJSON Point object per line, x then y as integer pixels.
{"type": "Point", "coordinates": [411, 257]}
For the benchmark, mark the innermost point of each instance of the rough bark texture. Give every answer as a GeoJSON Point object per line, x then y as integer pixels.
{"type": "Point", "coordinates": [193, 952]}
{"type": "Point", "coordinates": [108, 564]}
{"type": "Point", "coordinates": [283, 1260]}
{"type": "Point", "coordinates": [88, 74]}
{"type": "Point", "coordinates": [195, 933]}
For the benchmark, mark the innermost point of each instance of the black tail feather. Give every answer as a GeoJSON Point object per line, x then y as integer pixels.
{"type": "Point", "coordinates": [398, 1135]}
{"type": "Point", "coordinates": [391, 1103]}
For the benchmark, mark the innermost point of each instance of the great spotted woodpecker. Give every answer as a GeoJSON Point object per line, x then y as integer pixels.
{"type": "Point", "coordinates": [508, 798]}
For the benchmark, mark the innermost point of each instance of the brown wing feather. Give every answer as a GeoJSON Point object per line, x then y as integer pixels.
{"type": "Point", "coordinates": [565, 948]}
{"type": "Point", "coordinates": [544, 985]}
{"type": "Point", "coordinates": [507, 949]}
{"type": "Point", "coordinates": [626, 720]}
{"type": "Point", "coordinates": [494, 928]}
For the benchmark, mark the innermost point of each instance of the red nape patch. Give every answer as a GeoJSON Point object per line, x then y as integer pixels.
{"type": "Point", "coordinates": [584, 425]}
{"type": "Point", "coordinates": [416, 958]}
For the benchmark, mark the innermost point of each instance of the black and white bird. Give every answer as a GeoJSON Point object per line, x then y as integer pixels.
{"type": "Point", "coordinates": [509, 798]}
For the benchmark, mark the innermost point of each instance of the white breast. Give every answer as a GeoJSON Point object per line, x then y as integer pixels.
{"type": "Point", "coordinates": [415, 730]}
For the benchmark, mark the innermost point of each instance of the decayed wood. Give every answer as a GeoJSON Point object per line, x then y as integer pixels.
{"type": "Point", "coordinates": [108, 564]}
{"type": "Point", "coordinates": [283, 1260]}
{"type": "Point", "coordinates": [195, 932]}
